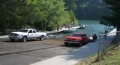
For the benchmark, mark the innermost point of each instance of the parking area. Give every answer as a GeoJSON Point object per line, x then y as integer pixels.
{"type": "Point", "coordinates": [31, 51]}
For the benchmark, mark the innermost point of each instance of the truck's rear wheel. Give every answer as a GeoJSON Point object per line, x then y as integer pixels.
{"type": "Point", "coordinates": [12, 40]}
{"type": "Point", "coordinates": [24, 39]}
{"type": "Point", "coordinates": [42, 38]}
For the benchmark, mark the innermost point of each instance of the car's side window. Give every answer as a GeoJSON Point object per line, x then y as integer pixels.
{"type": "Point", "coordinates": [30, 31]}
{"type": "Point", "coordinates": [34, 31]}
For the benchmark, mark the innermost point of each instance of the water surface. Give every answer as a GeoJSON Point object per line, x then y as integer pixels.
{"type": "Point", "coordinates": [93, 27]}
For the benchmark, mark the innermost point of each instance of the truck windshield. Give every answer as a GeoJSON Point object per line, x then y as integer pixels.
{"type": "Point", "coordinates": [22, 30]}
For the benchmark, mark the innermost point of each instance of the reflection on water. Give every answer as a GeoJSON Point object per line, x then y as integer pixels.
{"type": "Point", "coordinates": [93, 27]}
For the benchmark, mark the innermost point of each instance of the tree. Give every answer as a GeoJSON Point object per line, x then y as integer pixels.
{"type": "Point", "coordinates": [50, 13]}
{"type": "Point", "coordinates": [113, 19]}
{"type": "Point", "coordinates": [90, 9]}
{"type": "Point", "coordinates": [39, 14]}
{"type": "Point", "coordinates": [70, 5]}
{"type": "Point", "coordinates": [3, 15]}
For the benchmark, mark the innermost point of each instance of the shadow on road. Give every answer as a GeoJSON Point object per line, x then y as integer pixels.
{"type": "Point", "coordinates": [73, 45]}
{"type": "Point", "coordinates": [19, 41]}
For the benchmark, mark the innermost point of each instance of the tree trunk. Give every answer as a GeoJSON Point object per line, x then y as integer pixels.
{"type": "Point", "coordinates": [118, 35]}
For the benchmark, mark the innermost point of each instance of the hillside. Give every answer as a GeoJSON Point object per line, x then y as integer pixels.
{"type": "Point", "coordinates": [90, 9]}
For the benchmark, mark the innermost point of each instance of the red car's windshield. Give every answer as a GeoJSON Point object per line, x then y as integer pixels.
{"type": "Point", "coordinates": [77, 35]}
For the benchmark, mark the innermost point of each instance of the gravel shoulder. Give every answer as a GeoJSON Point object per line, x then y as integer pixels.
{"type": "Point", "coordinates": [8, 47]}
{"type": "Point", "coordinates": [20, 53]}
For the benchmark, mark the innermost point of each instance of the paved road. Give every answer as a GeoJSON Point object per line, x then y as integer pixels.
{"type": "Point", "coordinates": [20, 53]}
{"type": "Point", "coordinates": [81, 53]}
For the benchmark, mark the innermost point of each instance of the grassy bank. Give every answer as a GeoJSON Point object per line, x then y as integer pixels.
{"type": "Point", "coordinates": [111, 57]}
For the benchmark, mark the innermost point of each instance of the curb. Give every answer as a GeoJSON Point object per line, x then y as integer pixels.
{"type": "Point", "coordinates": [5, 36]}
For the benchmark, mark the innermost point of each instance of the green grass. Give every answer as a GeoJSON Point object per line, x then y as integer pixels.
{"type": "Point", "coordinates": [111, 57]}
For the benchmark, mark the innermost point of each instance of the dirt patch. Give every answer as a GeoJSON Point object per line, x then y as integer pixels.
{"type": "Point", "coordinates": [53, 41]}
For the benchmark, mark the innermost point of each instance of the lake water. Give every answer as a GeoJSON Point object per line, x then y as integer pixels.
{"type": "Point", "coordinates": [93, 27]}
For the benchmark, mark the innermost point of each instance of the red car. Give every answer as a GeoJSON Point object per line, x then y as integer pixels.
{"type": "Point", "coordinates": [76, 38]}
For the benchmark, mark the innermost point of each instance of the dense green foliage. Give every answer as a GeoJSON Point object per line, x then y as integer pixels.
{"type": "Point", "coordinates": [114, 17]}
{"type": "Point", "coordinates": [39, 14]}
{"type": "Point", "coordinates": [90, 9]}
{"type": "Point", "coordinates": [70, 5]}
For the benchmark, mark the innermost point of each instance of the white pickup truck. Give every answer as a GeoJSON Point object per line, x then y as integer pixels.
{"type": "Point", "coordinates": [27, 34]}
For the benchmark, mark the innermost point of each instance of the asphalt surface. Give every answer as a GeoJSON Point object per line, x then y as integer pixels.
{"type": "Point", "coordinates": [20, 53]}
{"type": "Point", "coordinates": [81, 53]}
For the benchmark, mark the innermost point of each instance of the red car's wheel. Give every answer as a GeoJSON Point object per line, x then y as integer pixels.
{"type": "Point", "coordinates": [66, 43]}
{"type": "Point", "coordinates": [80, 44]}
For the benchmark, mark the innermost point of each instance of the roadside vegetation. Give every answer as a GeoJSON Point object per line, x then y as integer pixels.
{"type": "Point", "coordinates": [111, 57]}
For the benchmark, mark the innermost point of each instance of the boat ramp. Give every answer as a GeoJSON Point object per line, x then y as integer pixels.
{"type": "Point", "coordinates": [72, 29]}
